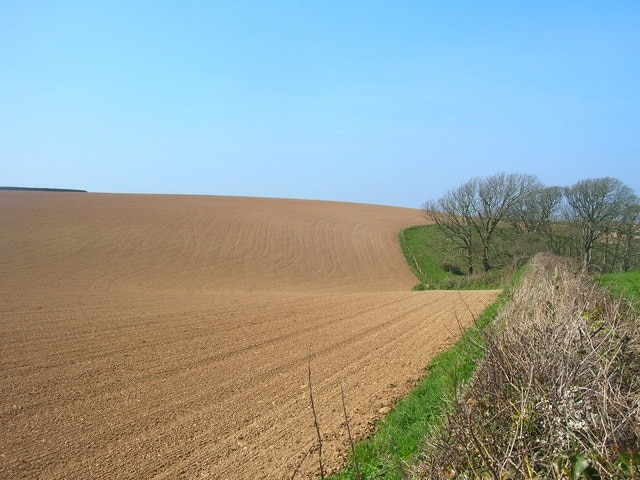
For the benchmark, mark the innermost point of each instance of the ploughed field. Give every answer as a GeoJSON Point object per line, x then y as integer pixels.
{"type": "Point", "coordinates": [150, 336]}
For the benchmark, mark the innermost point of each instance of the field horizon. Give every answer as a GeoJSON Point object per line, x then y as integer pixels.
{"type": "Point", "coordinates": [167, 336]}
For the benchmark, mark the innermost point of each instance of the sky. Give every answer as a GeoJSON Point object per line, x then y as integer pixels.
{"type": "Point", "coordinates": [383, 102]}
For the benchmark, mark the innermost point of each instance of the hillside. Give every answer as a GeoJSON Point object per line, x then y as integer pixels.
{"type": "Point", "coordinates": [168, 336]}
{"type": "Point", "coordinates": [101, 241]}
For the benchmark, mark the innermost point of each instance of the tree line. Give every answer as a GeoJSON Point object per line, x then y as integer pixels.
{"type": "Point", "coordinates": [504, 219]}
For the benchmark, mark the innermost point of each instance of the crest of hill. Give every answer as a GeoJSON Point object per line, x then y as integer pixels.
{"type": "Point", "coordinates": [42, 189]}
{"type": "Point", "coordinates": [106, 242]}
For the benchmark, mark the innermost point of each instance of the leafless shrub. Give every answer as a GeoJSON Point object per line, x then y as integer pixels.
{"type": "Point", "coordinates": [558, 391]}
{"type": "Point", "coordinates": [351, 441]}
{"type": "Point", "coordinates": [315, 417]}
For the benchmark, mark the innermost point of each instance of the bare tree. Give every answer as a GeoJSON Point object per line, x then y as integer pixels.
{"type": "Point", "coordinates": [470, 214]}
{"type": "Point", "coordinates": [496, 197]}
{"type": "Point", "coordinates": [532, 223]}
{"type": "Point", "coordinates": [597, 207]}
{"type": "Point", "coordinates": [628, 233]}
{"type": "Point", "coordinates": [621, 241]}
{"type": "Point", "coordinates": [452, 214]}
{"type": "Point", "coordinates": [536, 210]}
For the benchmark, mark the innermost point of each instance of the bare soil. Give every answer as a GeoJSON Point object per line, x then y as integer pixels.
{"type": "Point", "coordinates": [149, 336]}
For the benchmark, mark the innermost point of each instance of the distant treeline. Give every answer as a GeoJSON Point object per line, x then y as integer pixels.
{"type": "Point", "coordinates": [35, 189]}
{"type": "Point", "coordinates": [507, 218]}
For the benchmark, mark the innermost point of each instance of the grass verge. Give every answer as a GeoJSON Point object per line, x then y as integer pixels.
{"type": "Point", "coordinates": [626, 284]}
{"type": "Point", "coordinates": [422, 247]}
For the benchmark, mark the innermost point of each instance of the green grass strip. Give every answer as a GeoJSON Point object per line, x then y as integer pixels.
{"type": "Point", "coordinates": [422, 246]}
{"type": "Point", "coordinates": [626, 284]}
{"type": "Point", "coordinates": [417, 246]}
{"type": "Point", "coordinates": [397, 437]}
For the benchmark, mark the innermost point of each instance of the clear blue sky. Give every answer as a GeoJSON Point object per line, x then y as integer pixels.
{"type": "Point", "coordinates": [390, 102]}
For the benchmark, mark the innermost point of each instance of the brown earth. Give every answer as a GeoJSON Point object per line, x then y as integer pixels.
{"type": "Point", "coordinates": [149, 336]}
